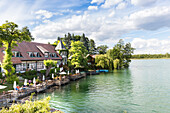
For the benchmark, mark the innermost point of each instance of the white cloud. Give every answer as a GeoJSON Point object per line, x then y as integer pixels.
{"type": "Point", "coordinates": [43, 14]}
{"type": "Point", "coordinates": [143, 2]}
{"type": "Point", "coordinates": [97, 1]}
{"type": "Point", "coordinates": [151, 46]}
{"type": "Point", "coordinates": [121, 5]}
{"type": "Point", "coordinates": [101, 28]}
{"type": "Point", "coordinates": [151, 19]}
{"type": "Point", "coordinates": [110, 3]}
{"type": "Point", "coordinates": [92, 8]}
{"type": "Point", "coordinates": [112, 14]}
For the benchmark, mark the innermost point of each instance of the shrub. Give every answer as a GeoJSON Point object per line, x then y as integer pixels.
{"type": "Point", "coordinates": [11, 79]}
{"type": "Point", "coordinates": [43, 72]}
{"type": "Point", "coordinates": [38, 106]}
{"type": "Point", "coordinates": [29, 74]}
{"type": "Point", "coordinates": [1, 76]}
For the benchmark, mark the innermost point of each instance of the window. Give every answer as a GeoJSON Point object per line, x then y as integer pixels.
{"type": "Point", "coordinates": [16, 54]}
{"type": "Point", "coordinates": [53, 55]}
{"type": "Point", "coordinates": [34, 54]}
{"type": "Point", "coordinates": [46, 55]}
{"type": "Point", "coordinates": [38, 55]}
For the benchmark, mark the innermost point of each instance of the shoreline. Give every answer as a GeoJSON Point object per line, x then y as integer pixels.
{"type": "Point", "coordinates": [16, 98]}
{"type": "Point", "coordinates": [147, 58]}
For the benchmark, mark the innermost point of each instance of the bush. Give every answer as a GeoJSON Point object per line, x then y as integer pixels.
{"type": "Point", "coordinates": [43, 72]}
{"type": "Point", "coordinates": [39, 106]}
{"type": "Point", "coordinates": [29, 74]}
{"type": "Point", "coordinates": [11, 79]}
{"type": "Point", "coordinates": [1, 76]}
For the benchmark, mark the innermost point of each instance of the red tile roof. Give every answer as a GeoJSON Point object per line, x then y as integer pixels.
{"type": "Point", "coordinates": [25, 47]}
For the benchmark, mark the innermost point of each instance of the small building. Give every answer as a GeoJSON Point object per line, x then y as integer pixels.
{"type": "Point", "coordinates": [30, 56]}
{"type": "Point", "coordinates": [90, 59]}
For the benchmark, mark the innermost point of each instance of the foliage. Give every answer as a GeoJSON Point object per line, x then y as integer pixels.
{"type": "Point", "coordinates": [141, 56]}
{"type": "Point", "coordinates": [11, 79]}
{"type": "Point", "coordinates": [123, 53]}
{"type": "Point", "coordinates": [1, 77]}
{"type": "Point", "coordinates": [85, 41]}
{"type": "Point", "coordinates": [10, 36]}
{"type": "Point", "coordinates": [78, 52]}
{"type": "Point", "coordinates": [38, 106]}
{"type": "Point", "coordinates": [49, 64]}
{"type": "Point", "coordinates": [116, 58]}
{"type": "Point", "coordinates": [116, 63]}
{"type": "Point", "coordinates": [92, 46]}
{"type": "Point", "coordinates": [67, 40]}
{"type": "Point", "coordinates": [43, 72]}
{"type": "Point", "coordinates": [30, 74]}
{"type": "Point", "coordinates": [102, 49]}
{"type": "Point", "coordinates": [102, 61]}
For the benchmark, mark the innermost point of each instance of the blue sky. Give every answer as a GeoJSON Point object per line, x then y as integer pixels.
{"type": "Point", "coordinates": [143, 23]}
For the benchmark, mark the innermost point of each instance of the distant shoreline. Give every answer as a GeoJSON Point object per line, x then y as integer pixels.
{"type": "Point", "coordinates": [147, 58]}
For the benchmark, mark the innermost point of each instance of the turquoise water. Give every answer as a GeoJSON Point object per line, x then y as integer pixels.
{"type": "Point", "coordinates": [143, 88]}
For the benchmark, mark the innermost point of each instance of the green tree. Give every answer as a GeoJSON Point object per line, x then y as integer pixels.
{"type": "Point", "coordinates": [92, 46]}
{"type": "Point", "coordinates": [85, 41]}
{"type": "Point", "coordinates": [78, 52]}
{"type": "Point", "coordinates": [67, 40]}
{"type": "Point", "coordinates": [102, 61]}
{"type": "Point", "coordinates": [10, 35]}
{"type": "Point", "coordinates": [102, 49]}
{"type": "Point", "coordinates": [128, 51]}
{"type": "Point", "coordinates": [49, 64]}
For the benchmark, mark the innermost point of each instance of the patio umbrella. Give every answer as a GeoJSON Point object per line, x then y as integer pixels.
{"type": "Point", "coordinates": [34, 81]}
{"type": "Point", "coordinates": [76, 71]}
{"type": "Point", "coordinates": [68, 72]}
{"type": "Point", "coordinates": [2, 87]}
{"type": "Point", "coordinates": [25, 82]}
{"type": "Point", "coordinates": [52, 75]}
{"type": "Point", "coordinates": [15, 85]}
{"type": "Point", "coordinates": [43, 78]}
{"type": "Point", "coordinates": [63, 73]}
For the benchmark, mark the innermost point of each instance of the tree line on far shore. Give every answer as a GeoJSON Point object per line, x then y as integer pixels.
{"type": "Point", "coordinates": [145, 56]}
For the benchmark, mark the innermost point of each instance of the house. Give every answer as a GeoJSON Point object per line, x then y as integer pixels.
{"type": "Point", "coordinates": [90, 59]}
{"type": "Point", "coordinates": [30, 56]}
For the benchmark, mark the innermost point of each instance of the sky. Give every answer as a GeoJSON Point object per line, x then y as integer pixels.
{"type": "Point", "coordinates": [143, 23]}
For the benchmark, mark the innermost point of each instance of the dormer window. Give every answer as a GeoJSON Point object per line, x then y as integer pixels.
{"type": "Point", "coordinates": [30, 54]}
{"type": "Point", "coordinates": [34, 54]}
{"type": "Point", "coordinates": [16, 54]}
{"type": "Point", "coordinates": [38, 55]}
{"type": "Point", "coordinates": [45, 54]}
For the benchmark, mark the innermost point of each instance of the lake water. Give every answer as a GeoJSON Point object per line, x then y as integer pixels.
{"type": "Point", "coordinates": [143, 88]}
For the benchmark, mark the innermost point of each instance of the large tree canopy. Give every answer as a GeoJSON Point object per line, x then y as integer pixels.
{"type": "Point", "coordinates": [9, 36]}
{"type": "Point", "coordinates": [78, 52]}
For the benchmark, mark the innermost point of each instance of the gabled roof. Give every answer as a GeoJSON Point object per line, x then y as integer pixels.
{"type": "Point", "coordinates": [60, 46]}
{"type": "Point", "coordinates": [25, 47]}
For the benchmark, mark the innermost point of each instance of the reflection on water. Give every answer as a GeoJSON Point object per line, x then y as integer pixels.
{"type": "Point", "coordinates": [142, 88]}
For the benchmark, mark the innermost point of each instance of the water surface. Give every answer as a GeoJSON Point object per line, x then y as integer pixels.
{"type": "Point", "coordinates": [143, 88]}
